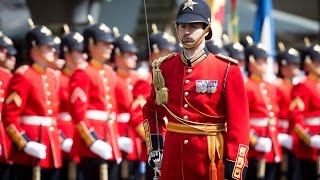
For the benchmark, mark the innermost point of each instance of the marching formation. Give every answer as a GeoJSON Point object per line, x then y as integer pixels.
{"type": "Point", "coordinates": [86, 108]}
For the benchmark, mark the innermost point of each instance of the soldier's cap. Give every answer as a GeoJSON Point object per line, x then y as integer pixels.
{"type": "Point", "coordinates": [236, 51]}
{"type": "Point", "coordinates": [7, 43]}
{"type": "Point", "coordinates": [98, 32]}
{"type": "Point", "coordinates": [313, 52]}
{"type": "Point", "coordinates": [289, 56]}
{"type": "Point", "coordinates": [162, 40]}
{"type": "Point", "coordinates": [40, 35]}
{"type": "Point", "coordinates": [257, 51]}
{"type": "Point", "coordinates": [193, 11]}
{"type": "Point", "coordinates": [125, 43]}
{"type": "Point", "coordinates": [214, 46]}
{"type": "Point", "coordinates": [72, 41]}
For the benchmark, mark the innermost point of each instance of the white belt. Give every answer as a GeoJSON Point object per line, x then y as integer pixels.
{"type": "Point", "coordinates": [283, 123]}
{"type": "Point", "coordinates": [65, 116]}
{"type": "Point", "coordinates": [314, 121]}
{"type": "Point", "coordinates": [100, 115]}
{"type": "Point", "coordinates": [37, 120]}
{"type": "Point", "coordinates": [123, 117]}
{"type": "Point", "coordinates": [261, 122]}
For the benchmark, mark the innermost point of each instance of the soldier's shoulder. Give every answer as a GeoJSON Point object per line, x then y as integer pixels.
{"type": "Point", "coordinates": [22, 69]}
{"type": "Point", "coordinates": [226, 59]}
{"type": "Point", "coordinates": [159, 61]}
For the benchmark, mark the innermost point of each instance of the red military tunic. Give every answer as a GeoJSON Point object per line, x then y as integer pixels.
{"type": "Point", "coordinates": [126, 81]}
{"type": "Point", "coordinates": [31, 108]}
{"type": "Point", "coordinates": [93, 109]}
{"type": "Point", "coordinates": [263, 109]}
{"type": "Point", "coordinates": [305, 109]}
{"type": "Point", "coordinates": [187, 154]}
{"type": "Point", "coordinates": [65, 124]}
{"type": "Point", "coordinates": [5, 76]}
{"type": "Point", "coordinates": [284, 87]}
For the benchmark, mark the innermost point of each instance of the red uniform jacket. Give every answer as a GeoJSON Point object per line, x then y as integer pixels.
{"type": "Point", "coordinates": [305, 109]}
{"type": "Point", "coordinates": [263, 109]}
{"type": "Point", "coordinates": [127, 80]}
{"type": "Point", "coordinates": [65, 124]}
{"type": "Point", "coordinates": [211, 91]}
{"type": "Point", "coordinates": [93, 109]}
{"type": "Point", "coordinates": [5, 76]}
{"type": "Point", "coordinates": [30, 110]}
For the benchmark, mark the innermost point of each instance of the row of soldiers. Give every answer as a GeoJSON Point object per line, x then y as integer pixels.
{"type": "Point", "coordinates": [86, 118]}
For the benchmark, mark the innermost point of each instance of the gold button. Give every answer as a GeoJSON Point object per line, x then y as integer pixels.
{"type": "Point", "coordinates": [0, 83]}
{"type": "Point", "coordinates": [109, 106]}
{"type": "Point", "coordinates": [49, 102]}
{"type": "Point", "coordinates": [130, 87]}
{"type": "Point", "coordinates": [264, 91]}
{"type": "Point", "coordinates": [1, 99]}
{"type": "Point", "coordinates": [186, 93]}
{"type": "Point", "coordinates": [108, 97]}
{"type": "Point", "coordinates": [49, 93]}
{"type": "Point", "coordinates": [189, 71]}
{"type": "Point", "coordinates": [185, 117]}
{"type": "Point", "coordinates": [269, 107]}
{"type": "Point", "coordinates": [271, 114]}
{"type": "Point", "coordinates": [187, 81]}
{"type": "Point", "coordinates": [46, 85]}
{"type": "Point", "coordinates": [105, 80]}
{"type": "Point", "coordinates": [102, 72]}
{"type": "Point", "coordinates": [272, 121]}
{"type": "Point", "coordinates": [44, 76]}
{"type": "Point", "coordinates": [185, 105]}
{"type": "Point", "coordinates": [50, 111]}
{"type": "Point", "coordinates": [185, 141]}
{"type": "Point", "coordinates": [51, 128]}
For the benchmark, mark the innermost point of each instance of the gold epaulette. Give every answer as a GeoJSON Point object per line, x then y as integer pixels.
{"type": "Point", "coordinates": [296, 102]}
{"type": "Point", "coordinates": [22, 69]}
{"type": "Point", "coordinates": [226, 58]}
{"type": "Point", "coordinates": [158, 80]}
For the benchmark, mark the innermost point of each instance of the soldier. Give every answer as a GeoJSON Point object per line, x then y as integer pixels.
{"type": "Point", "coordinates": [263, 108]}
{"type": "Point", "coordinates": [215, 47]}
{"type": "Point", "coordinates": [71, 49]}
{"type": "Point", "coordinates": [125, 60]}
{"type": "Point", "coordinates": [201, 95]}
{"type": "Point", "coordinates": [305, 111]}
{"type": "Point", "coordinates": [93, 107]}
{"type": "Point", "coordinates": [236, 51]}
{"type": "Point", "coordinates": [7, 63]}
{"type": "Point", "coordinates": [289, 63]}
{"type": "Point", "coordinates": [30, 111]}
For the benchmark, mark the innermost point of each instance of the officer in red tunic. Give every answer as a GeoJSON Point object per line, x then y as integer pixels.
{"type": "Point", "coordinates": [71, 49]}
{"type": "Point", "coordinates": [305, 111]}
{"type": "Point", "coordinates": [7, 63]}
{"type": "Point", "coordinates": [93, 107]}
{"type": "Point", "coordinates": [263, 108]}
{"type": "Point", "coordinates": [30, 111]}
{"type": "Point", "coordinates": [201, 95]}
{"type": "Point", "coordinates": [288, 63]}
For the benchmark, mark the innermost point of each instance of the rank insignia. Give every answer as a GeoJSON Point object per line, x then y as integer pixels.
{"type": "Point", "coordinates": [206, 86]}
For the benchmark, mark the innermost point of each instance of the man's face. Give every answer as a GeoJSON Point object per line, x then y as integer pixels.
{"type": "Point", "coordinates": [189, 33]}
{"type": "Point", "coordinates": [101, 51]}
{"type": "Point", "coordinates": [10, 62]}
{"type": "Point", "coordinates": [127, 60]}
{"type": "Point", "coordinates": [47, 52]}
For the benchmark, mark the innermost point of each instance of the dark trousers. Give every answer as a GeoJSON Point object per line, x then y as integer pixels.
{"type": "Point", "coordinates": [270, 172]}
{"type": "Point", "coordinates": [5, 171]}
{"type": "Point", "coordinates": [64, 173]}
{"type": "Point", "coordinates": [21, 172]}
{"type": "Point", "coordinates": [129, 170]}
{"type": "Point", "coordinates": [90, 168]}
{"type": "Point", "coordinates": [304, 169]}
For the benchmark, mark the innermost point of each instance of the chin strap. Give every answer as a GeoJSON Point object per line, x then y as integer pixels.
{"type": "Point", "coordinates": [197, 41]}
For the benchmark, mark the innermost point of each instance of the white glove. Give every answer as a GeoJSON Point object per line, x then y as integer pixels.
{"type": "Point", "coordinates": [285, 140]}
{"type": "Point", "coordinates": [102, 149]}
{"type": "Point", "coordinates": [125, 144]}
{"type": "Point", "coordinates": [35, 149]}
{"type": "Point", "coordinates": [66, 145]}
{"type": "Point", "coordinates": [315, 141]}
{"type": "Point", "coordinates": [263, 145]}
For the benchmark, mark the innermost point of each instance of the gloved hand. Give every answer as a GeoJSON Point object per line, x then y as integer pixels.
{"type": "Point", "coordinates": [102, 149]}
{"type": "Point", "coordinates": [66, 145]}
{"type": "Point", "coordinates": [285, 140]}
{"type": "Point", "coordinates": [315, 141]}
{"type": "Point", "coordinates": [125, 144]}
{"type": "Point", "coordinates": [263, 145]}
{"type": "Point", "coordinates": [35, 149]}
{"type": "Point", "coordinates": [155, 160]}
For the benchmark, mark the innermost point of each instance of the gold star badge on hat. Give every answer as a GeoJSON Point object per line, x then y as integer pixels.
{"type": "Point", "coordinates": [189, 4]}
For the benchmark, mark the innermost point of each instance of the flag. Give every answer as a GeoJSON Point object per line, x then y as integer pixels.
{"type": "Point", "coordinates": [234, 21]}
{"type": "Point", "coordinates": [217, 17]}
{"type": "Point", "coordinates": [264, 32]}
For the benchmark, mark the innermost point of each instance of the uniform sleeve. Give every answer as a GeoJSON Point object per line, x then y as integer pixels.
{"type": "Point", "coordinates": [153, 115]}
{"type": "Point", "coordinates": [79, 90]}
{"type": "Point", "coordinates": [237, 125]}
{"type": "Point", "coordinates": [15, 102]}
